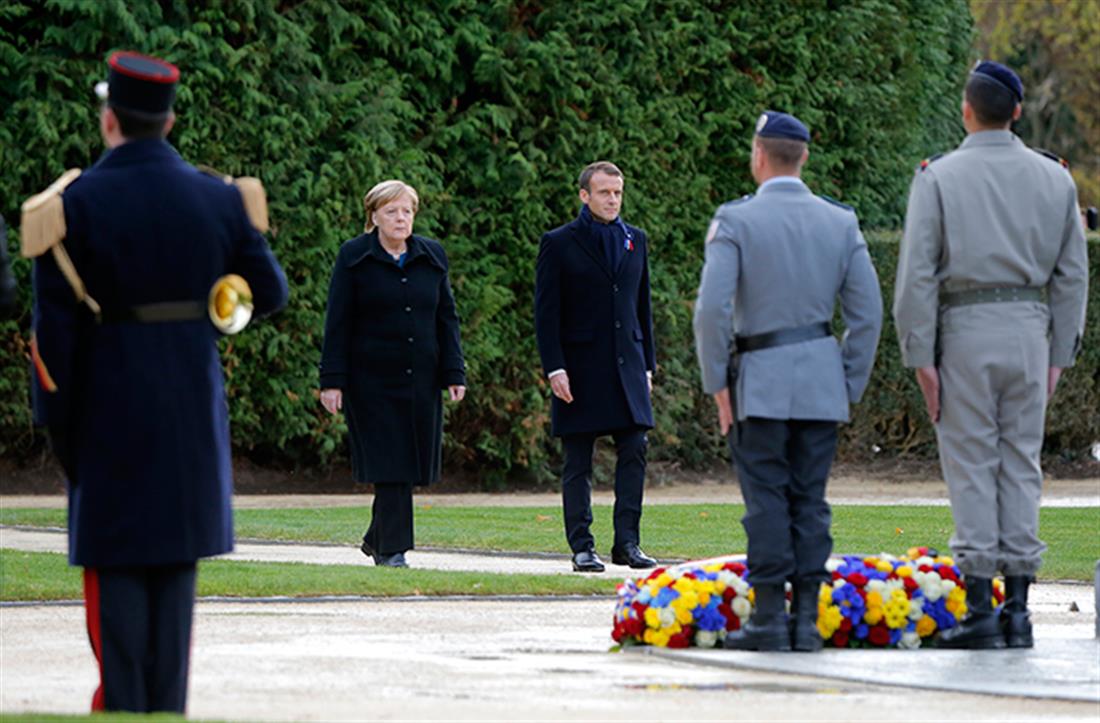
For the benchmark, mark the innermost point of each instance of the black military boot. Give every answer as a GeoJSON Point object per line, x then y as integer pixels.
{"type": "Point", "coordinates": [980, 629]}
{"type": "Point", "coordinates": [767, 628]}
{"type": "Point", "coordinates": [1015, 618]}
{"type": "Point", "coordinates": [803, 624]}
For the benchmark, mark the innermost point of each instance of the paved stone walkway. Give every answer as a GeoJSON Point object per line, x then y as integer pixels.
{"type": "Point", "coordinates": [538, 659]}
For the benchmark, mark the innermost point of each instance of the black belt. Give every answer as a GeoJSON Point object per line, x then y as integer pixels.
{"type": "Point", "coordinates": [991, 294]}
{"type": "Point", "coordinates": [767, 340]}
{"type": "Point", "coordinates": [159, 312]}
{"type": "Point", "coordinates": [782, 337]}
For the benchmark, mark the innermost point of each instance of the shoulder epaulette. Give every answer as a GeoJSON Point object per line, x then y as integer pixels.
{"type": "Point", "coordinates": [927, 161]}
{"type": "Point", "coordinates": [42, 228]}
{"type": "Point", "coordinates": [736, 201]}
{"type": "Point", "coordinates": [43, 220]}
{"type": "Point", "coordinates": [835, 202]}
{"type": "Point", "coordinates": [252, 193]}
{"type": "Point", "coordinates": [1054, 157]}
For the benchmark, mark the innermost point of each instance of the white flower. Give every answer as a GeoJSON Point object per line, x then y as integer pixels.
{"type": "Point", "coordinates": [833, 564]}
{"type": "Point", "coordinates": [668, 617]}
{"type": "Point", "coordinates": [706, 638]}
{"type": "Point", "coordinates": [890, 585]}
{"type": "Point", "coordinates": [909, 640]}
{"type": "Point", "coordinates": [740, 586]}
{"type": "Point", "coordinates": [924, 560]}
{"type": "Point", "coordinates": [933, 590]}
{"type": "Point", "coordinates": [741, 607]}
{"type": "Point", "coordinates": [916, 609]}
{"type": "Point", "coordinates": [726, 577]}
{"type": "Point", "coordinates": [876, 585]}
{"type": "Point", "coordinates": [948, 586]}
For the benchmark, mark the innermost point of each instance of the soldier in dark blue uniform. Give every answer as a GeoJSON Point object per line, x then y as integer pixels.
{"type": "Point", "coordinates": [129, 382]}
{"type": "Point", "coordinates": [595, 337]}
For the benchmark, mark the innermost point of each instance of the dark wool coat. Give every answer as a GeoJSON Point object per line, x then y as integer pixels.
{"type": "Point", "coordinates": [595, 322]}
{"type": "Point", "coordinates": [140, 420]}
{"type": "Point", "coordinates": [391, 344]}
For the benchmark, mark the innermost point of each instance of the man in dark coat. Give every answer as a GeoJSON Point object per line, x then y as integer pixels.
{"type": "Point", "coordinates": [130, 384]}
{"type": "Point", "coordinates": [595, 337]}
{"type": "Point", "coordinates": [7, 281]}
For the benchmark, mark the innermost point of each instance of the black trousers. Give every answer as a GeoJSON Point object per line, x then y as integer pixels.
{"type": "Point", "coordinates": [782, 466]}
{"type": "Point", "coordinates": [391, 519]}
{"type": "Point", "coordinates": [139, 624]}
{"type": "Point", "coordinates": [576, 487]}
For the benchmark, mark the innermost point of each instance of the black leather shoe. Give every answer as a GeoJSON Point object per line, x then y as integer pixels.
{"type": "Point", "coordinates": [1015, 618]}
{"type": "Point", "coordinates": [767, 628]}
{"type": "Point", "coordinates": [803, 624]}
{"type": "Point", "coordinates": [395, 560]}
{"type": "Point", "coordinates": [981, 628]}
{"type": "Point", "coordinates": [367, 550]}
{"type": "Point", "coordinates": [587, 561]}
{"type": "Point", "coordinates": [631, 554]}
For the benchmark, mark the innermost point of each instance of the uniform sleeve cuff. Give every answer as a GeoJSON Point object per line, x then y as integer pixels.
{"type": "Point", "coordinates": [555, 373]}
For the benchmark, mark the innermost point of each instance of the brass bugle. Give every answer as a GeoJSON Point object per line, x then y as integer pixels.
{"type": "Point", "coordinates": [230, 304]}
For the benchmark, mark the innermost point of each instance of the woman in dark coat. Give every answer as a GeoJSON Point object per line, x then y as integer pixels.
{"type": "Point", "coordinates": [391, 344]}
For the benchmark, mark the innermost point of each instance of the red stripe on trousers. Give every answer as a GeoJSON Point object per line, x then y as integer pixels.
{"type": "Point", "coordinates": [95, 632]}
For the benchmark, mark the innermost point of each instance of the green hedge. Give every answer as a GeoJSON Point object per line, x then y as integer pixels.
{"type": "Point", "coordinates": [491, 109]}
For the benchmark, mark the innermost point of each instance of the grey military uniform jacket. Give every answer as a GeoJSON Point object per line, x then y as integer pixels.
{"type": "Point", "coordinates": [778, 260]}
{"type": "Point", "coordinates": [991, 213]}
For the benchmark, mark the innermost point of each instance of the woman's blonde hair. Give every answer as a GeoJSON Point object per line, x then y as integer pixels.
{"type": "Point", "coordinates": [383, 193]}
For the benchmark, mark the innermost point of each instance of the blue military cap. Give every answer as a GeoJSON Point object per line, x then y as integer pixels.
{"type": "Point", "coordinates": [139, 84]}
{"type": "Point", "coordinates": [773, 124]}
{"type": "Point", "coordinates": [1001, 74]}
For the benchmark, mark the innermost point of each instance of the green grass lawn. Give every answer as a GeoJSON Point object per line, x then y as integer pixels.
{"type": "Point", "coordinates": [47, 576]}
{"type": "Point", "coordinates": [668, 531]}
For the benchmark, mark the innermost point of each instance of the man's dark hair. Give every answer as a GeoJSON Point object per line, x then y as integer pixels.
{"type": "Point", "coordinates": [598, 167]}
{"type": "Point", "coordinates": [139, 128]}
{"type": "Point", "coordinates": [784, 153]}
{"type": "Point", "coordinates": [993, 104]}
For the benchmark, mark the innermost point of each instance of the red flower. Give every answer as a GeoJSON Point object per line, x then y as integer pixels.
{"type": "Point", "coordinates": [947, 573]}
{"type": "Point", "coordinates": [729, 594]}
{"type": "Point", "coordinates": [617, 634]}
{"type": "Point", "coordinates": [737, 568]}
{"type": "Point", "coordinates": [911, 585]}
{"type": "Point", "coordinates": [840, 639]}
{"type": "Point", "coordinates": [634, 626]}
{"type": "Point", "coordinates": [836, 574]}
{"type": "Point", "coordinates": [926, 568]}
{"type": "Point", "coordinates": [639, 608]}
{"type": "Point", "coordinates": [857, 578]}
{"type": "Point", "coordinates": [845, 624]}
{"type": "Point", "coordinates": [690, 576]}
{"type": "Point", "coordinates": [679, 640]}
{"type": "Point", "coordinates": [879, 635]}
{"type": "Point", "coordinates": [656, 573]}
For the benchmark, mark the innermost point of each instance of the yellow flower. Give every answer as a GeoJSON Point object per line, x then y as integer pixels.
{"type": "Point", "coordinates": [659, 638]}
{"type": "Point", "coordinates": [751, 595]}
{"type": "Point", "coordinates": [904, 571]}
{"type": "Point", "coordinates": [828, 620]}
{"type": "Point", "coordinates": [945, 560]}
{"type": "Point", "coordinates": [870, 561]}
{"type": "Point", "coordinates": [652, 618]}
{"type": "Point", "coordinates": [884, 566]}
{"type": "Point", "coordinates": [874, 599]}
{"type": "Point", "coordinates": [873, 615]}
{"type": "Point", "coordinates": [704, 598]}
{"type": "Point", "coordinates": [684, 615]}
{"type": "Point", "coordinates": [663, 580]}
{"type": "Point", "coordinates": [683, 585]}
{"type": "Point", "coordinates": [926, 626]}
{"type": "Point", "coordinates": [671, 629]}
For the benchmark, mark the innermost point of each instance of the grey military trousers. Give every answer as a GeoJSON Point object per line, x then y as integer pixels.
{"type": "Point", "coordinates": [993, 385]}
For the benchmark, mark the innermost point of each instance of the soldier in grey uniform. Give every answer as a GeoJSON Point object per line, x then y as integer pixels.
{"type": "Point", "coordinates": [990, 307]}
{"type": "Point", "coordinates": [775, 264]}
